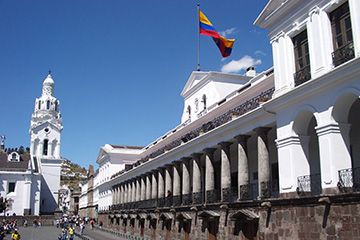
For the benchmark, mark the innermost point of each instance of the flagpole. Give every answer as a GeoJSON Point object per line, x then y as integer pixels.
{"type": "Point", "coordinates": [198, 22]}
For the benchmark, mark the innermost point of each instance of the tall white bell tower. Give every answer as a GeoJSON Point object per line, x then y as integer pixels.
{"type": "Point", "coordinates": [45, 130]}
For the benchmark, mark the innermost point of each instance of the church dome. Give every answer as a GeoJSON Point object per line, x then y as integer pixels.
{"type": "Point", "coordinates": [48, 86]}
{"type": "Point", "coordinates": [48, 80]}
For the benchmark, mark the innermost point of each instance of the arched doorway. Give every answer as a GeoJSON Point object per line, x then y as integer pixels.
{"type": "Point", "coordinates": [309, 183]}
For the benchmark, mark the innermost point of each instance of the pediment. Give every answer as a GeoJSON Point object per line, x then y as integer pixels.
{"type": "Point", "coordinates": [39, 126]}
{"type": "Point", "coordinates": [199, 80]}
{"type": "Point", "coordinates": [268, 10]}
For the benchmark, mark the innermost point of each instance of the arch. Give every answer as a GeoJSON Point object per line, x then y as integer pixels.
{"type": "Point", "coordinates": [302, 119]}
{"type": "Point", "coordinates": [304, 126]}
{"type": "Point", "coordinates": [343, 103]}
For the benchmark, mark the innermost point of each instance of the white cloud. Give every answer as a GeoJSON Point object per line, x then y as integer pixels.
{"type": "Point", "coordinates": [227, 32]}
{"type": "Point", "coordinates": [258, 52]}
{"type": "Point", "coordinates": [236, 66]}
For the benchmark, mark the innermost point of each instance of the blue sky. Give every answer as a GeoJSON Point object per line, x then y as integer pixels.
{"type": "Point", "coordinates": [119, 66]}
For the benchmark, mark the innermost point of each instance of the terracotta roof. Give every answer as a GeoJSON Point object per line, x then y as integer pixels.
{"type": "Point", "coordinates": [6, 165]}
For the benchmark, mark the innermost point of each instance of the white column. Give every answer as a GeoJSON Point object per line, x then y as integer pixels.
{"type": "Point", "coordinates": [133, 184]}
{"type": "Point", "coordinates": [176, 184]}
{"type": "Point", "coordinates": [293, 161]}
{"type": "Point", "coordinates": [334, 151]}
{"type": "Point", "coordinates": [243, 167]}
{"type": "Point", "coordinates": [225, 172]}
{"type": "Point", "coordinates": [138, 189]}
{"type": "Point", "coordinates": [148, 186]}
{"type": "Point", "coordinates": [320, 42]}
{"type": "Point", "coordinates": [143, 188]}
{"type": "Point", "coordinates": [154, 185]}
{"type": "Point", "coordinates": [263, 162]}
{"type": "Point", "coordinates": [210, 194]}
{"type": "Point", "coordinates": [27, 195]}
{"type": "Point", "coordinates": [196, 173]}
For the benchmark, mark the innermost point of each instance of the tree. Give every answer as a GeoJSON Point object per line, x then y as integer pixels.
{"type": "Point", "coordinates": [3, 204]}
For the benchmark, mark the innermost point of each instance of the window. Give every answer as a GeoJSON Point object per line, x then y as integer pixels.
{"type": "Point", "coordinates": [204, 100]}
{"type": "Point", "coordinates": [189, 111]}
{"type": "Point", "coordinates": [56, 106]}
{"type": "Point", "coordinates": [302, 58]}
{"type": "Point", "coordinates": [14, 157]}
{"type": "Point", "coordinates": [11, 187]}
{"type": "Point", "coordinates": [39, 106]}
{"type": "Point", "coordinates": [48, 104]}
{"type": "Point", "coordinates": [342, 35]}
{"type": "Point", "coordinates": [45, 147]}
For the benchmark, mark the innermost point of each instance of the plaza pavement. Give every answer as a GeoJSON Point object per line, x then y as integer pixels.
{"type": "Point", "coordinates": [52, 233]}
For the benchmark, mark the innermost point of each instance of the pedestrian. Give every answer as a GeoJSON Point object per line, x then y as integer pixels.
{"type": "Point", "coordinates": [92, 222]}
{"type": "Point", "coordinates": [35, 223]}
{"type": "Point", "coordinates": [101, 223]}
{"type": "Point", "coordinates": [40, 222]}
{"type": "Point", "coordinates": [25, 223]}
{"type": "Point", "coordinates": [82, 227]}
{"type": "Point", "coordinates": [63, 234]}
{"type": "Point", "coordinates": [71, 233]}
{"type": "Point", "coordinates": [59, 238]}
{"type": "Point", "coordinates": [57, 223]}
{"type": "Point", "coordinates": [15, 235]}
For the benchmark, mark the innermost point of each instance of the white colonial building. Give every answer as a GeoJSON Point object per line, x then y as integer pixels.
{"type": "Point", "coordinates": [31, 181]}
{"type": "Point", "coordinates": [274, 155]}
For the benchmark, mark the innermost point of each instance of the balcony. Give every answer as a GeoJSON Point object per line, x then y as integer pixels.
{"type": "Point", "coordinates": [309, 185]}
{"type": "Point", "coordinates": [343, 54]}
{"type": "Point", "coordinates": [349, 180]}
{"type": "Point", "coordinates": [303, 75]}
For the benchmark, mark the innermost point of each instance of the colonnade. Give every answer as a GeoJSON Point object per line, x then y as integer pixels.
{"type": "Point", "coordinates": [184, 180]}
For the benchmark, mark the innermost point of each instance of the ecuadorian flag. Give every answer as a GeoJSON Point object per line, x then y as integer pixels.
{"type": "Point", "coordinates": [206, 28]}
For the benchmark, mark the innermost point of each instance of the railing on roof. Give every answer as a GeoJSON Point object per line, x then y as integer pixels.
{"type": "Point", "coordinates": [240, 110]}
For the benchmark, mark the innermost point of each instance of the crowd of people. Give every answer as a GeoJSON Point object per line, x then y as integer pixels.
{"type": "Point", "coordinates": [67, 225]}
{"type": "Point", "coordinates": [9, 227]}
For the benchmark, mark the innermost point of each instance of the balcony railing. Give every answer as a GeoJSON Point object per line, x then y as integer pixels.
{"type": "Point", "coordinates": [303, 75]}
{"type": "Point", "coordinates": [349, 180]}
{"type": "Point", "coordinates": [343, 54]}
{"type": "Point", "coordinates": [309, 185]}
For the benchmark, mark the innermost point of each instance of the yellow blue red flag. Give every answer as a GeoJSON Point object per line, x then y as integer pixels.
{"type": "Point", "coordinates": [206, 28]}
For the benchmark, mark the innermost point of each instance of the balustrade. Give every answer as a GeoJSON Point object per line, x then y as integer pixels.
{"type": "Point", "coordinates": [343, 54]}
{"type": "Point", "coordinates": [349, 180]}
{"type": "Point", "coordinates": [309, 185]}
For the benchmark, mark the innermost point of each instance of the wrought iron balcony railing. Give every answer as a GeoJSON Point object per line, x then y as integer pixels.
{"type": "Point", "coordinates": [349, 180]}
{"type": "Point", "coordinates": [343, 54]}
{"type": "Point", "coordinates": [309, 185]}
{"type": "Point", "coordinates": [303, 75]}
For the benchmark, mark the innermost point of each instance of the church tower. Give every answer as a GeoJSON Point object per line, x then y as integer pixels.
{"type": "Point", "coordinates": [45, 130]}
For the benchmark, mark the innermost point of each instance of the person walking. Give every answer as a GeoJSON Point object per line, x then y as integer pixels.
{"type": "Point", "coordinates": [40, 222]}
{"type": "Point", "coordinates": [63, 234]}
{"type": "Point", "coordinates": [71, 232]}
{"type": "Point", "coordinates": [92, 222]}
{"type": "Point", "coordinates": [82, 227]}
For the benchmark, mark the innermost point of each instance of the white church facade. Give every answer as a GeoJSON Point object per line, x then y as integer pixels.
{"type": "Point", "coordinates": [271, 155]}
{"type": "Point", "coordinates": [31, 181]}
